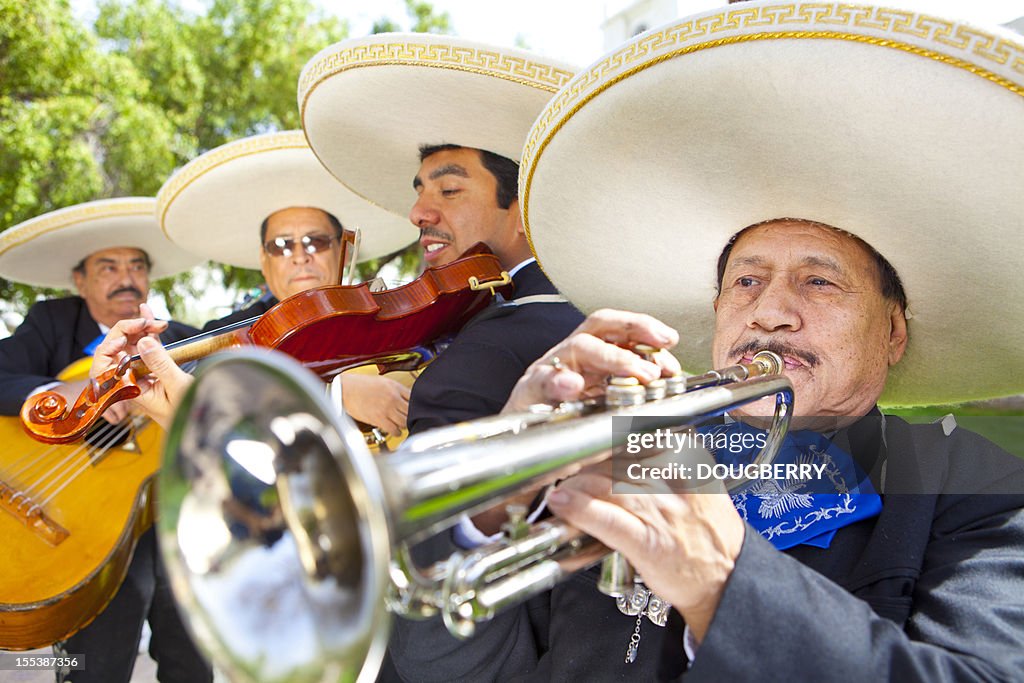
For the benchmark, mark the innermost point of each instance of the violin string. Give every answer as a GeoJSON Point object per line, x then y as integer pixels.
{"type": "Point", "coordinates": [93, 452]}
{"type": "Point", "coordinates": [132, 427]}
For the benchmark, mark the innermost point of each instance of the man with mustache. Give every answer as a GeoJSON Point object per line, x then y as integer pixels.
{"type": "Point", "coordinates": [123, 249]}
{"type": "Point", "coordinates": [836, 185]}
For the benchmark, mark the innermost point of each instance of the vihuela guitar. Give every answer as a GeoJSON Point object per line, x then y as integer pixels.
{"type": "Point", "coordinates": [71, 517]}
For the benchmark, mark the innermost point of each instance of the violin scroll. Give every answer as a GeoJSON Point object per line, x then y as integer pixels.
{"type": "Point", "coordinates": [47, 417]}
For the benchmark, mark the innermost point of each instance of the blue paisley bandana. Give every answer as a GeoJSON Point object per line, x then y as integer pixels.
{"type": "Point", "coordinates": [809, 510]}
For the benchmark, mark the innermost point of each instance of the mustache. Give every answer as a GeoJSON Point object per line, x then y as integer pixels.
{"type": "Point", "coordinates": [434, 232]}
{"type": "Point", "coordinates": [122, 290]}
{"type": "Point", "coordinates": [775, 346]}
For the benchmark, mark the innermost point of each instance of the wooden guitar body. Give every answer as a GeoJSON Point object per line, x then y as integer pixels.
{"type": "Point", "coordinates": [64, 561]}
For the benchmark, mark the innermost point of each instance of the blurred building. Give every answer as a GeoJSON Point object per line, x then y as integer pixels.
{"type": "Point", "coordinates": [627, 18]}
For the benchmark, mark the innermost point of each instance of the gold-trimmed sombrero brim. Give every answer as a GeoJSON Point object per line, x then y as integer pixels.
{"type": "Point", "coordinates": [214, 205]}
{"type": "Point", "coordinates": [902, 128]}
{"type": "Point", "coordinates": [368, 104]}
{"type": "Point", "coordinates": [43, 250]}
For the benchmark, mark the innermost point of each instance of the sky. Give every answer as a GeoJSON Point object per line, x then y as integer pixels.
{"type": "Point", "coordinates": [569, 30]}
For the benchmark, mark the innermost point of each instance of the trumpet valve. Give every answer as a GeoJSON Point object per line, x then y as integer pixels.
{"type": "Point", "coordinates": [675, 385]}
{"type": "Point", "coordinates": [624, 391]}
{"type": "Point", "coordinates": [617, 576]}
{"type": "Point", "coordinates": [516, 527]}
{"type": "Point", "coordinates": [656, 390]}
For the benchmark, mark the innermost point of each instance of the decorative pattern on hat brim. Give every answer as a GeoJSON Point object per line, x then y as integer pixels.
{"type": "Point", "coordinates": [903, 128]}
{"type": "Point", "coordinates": [368, 104]}
{"type": "Point", "coordinates": [215, 204]}
{"type": "Point", "coordinates": [42, 251]}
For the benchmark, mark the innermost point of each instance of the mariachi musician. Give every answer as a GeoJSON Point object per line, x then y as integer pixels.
{"type": "Point", "coordinates": [109, 250]}
{"type": "Point", "coordinates": [466, 108]}
{"type": "Point", "coordinates": [272, 186]}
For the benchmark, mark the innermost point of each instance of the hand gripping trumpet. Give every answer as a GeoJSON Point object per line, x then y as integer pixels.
{"type": "Point", "coordinates": [286, 538]}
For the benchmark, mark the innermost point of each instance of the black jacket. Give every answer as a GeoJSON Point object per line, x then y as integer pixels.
{"type": "Point", "coordinates": [53, 336]}
{"type": "Point", "coordinates": [929, 590]}
{"type": "Point", "coordinates": [474, 376]}
{"type": "Point", "coordinates": [257, 309]}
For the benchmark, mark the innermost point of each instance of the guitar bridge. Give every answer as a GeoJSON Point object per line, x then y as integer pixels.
{"type": "Point", "coordinates": [31, 515]}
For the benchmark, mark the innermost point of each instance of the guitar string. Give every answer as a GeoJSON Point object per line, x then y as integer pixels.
{"type": "Point", "coordinates": [49, 450]}
{"type": "Point", "coordinates": [42, 458]}
{"type": "Point", "coordinates": [93, 452]}
{"type": "Point", "coordinates": [91, 459]}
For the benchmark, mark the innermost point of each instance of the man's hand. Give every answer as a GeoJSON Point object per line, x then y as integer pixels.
{"type": "Point", "coordinates": [683, 544]}
{"type": "Point", "coordinates": [376, 400]}
{"type": "Point", "coordinates": [593, 352]}
{"type": "Point", "coordinates": [163, 388]}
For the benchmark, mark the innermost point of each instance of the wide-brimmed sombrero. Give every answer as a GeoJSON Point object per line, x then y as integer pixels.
{"type": "Point", "coordinates": [42, 251]}
{"type": "Point", "coordinates": [903, 128]}
{"type": "Point", "coordinates": [368, 104]}
{"type": "Point", "coordinates": [215, 204]}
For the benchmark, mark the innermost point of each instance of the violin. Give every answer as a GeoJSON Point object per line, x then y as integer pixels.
{"type": "Point", "coordinates": [328, 329]}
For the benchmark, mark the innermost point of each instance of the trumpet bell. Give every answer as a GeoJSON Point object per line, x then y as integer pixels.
{"type": "Point", "coordinates": [271, 528]}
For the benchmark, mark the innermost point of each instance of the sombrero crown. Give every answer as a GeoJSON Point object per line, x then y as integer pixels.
{"type": "Point", "coordinates": [903, 128]}
{"type": "Point", "coordinates": [368, 104]}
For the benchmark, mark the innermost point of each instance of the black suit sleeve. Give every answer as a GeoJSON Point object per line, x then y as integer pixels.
{"type": "Point", "coordinates": [26, 359]}
{"type": "Point", "coordinates": [965, 615]}
{"type": "Point", "coordinates": [475, 383]}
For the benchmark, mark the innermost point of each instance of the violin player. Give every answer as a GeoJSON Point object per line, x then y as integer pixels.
{"type": "Point", "coordinates": [443, 147]}
{"type": "Point", "coordinates": [109, 250]}
{"type": "Point", "coordinates": [272, 185]}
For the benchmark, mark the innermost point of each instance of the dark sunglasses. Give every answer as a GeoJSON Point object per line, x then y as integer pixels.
{"type": "Point", "coordinates": [311, 244]}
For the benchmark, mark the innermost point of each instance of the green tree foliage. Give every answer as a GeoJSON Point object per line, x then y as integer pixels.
{"type": "Point", "coordinates": [113, 109]}
{"type": "Point", "coordinates": [74, 120]}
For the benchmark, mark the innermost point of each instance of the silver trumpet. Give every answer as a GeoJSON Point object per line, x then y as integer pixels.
{"type": "Point", "coordinates": [286, 538]}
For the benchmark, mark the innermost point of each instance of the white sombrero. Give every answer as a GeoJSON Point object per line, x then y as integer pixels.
{"type": "Point", "coordinates": [903, 128]}
{"type": "Point", "coordinates": [43, 250]}
{"type": "Point", "coordinates": [368, 104]}
{"type": "Point", "coordinates": [214, 205]}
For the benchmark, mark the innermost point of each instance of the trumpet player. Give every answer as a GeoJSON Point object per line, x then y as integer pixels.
{"type": "Point", "coordinates": [872, 182]}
